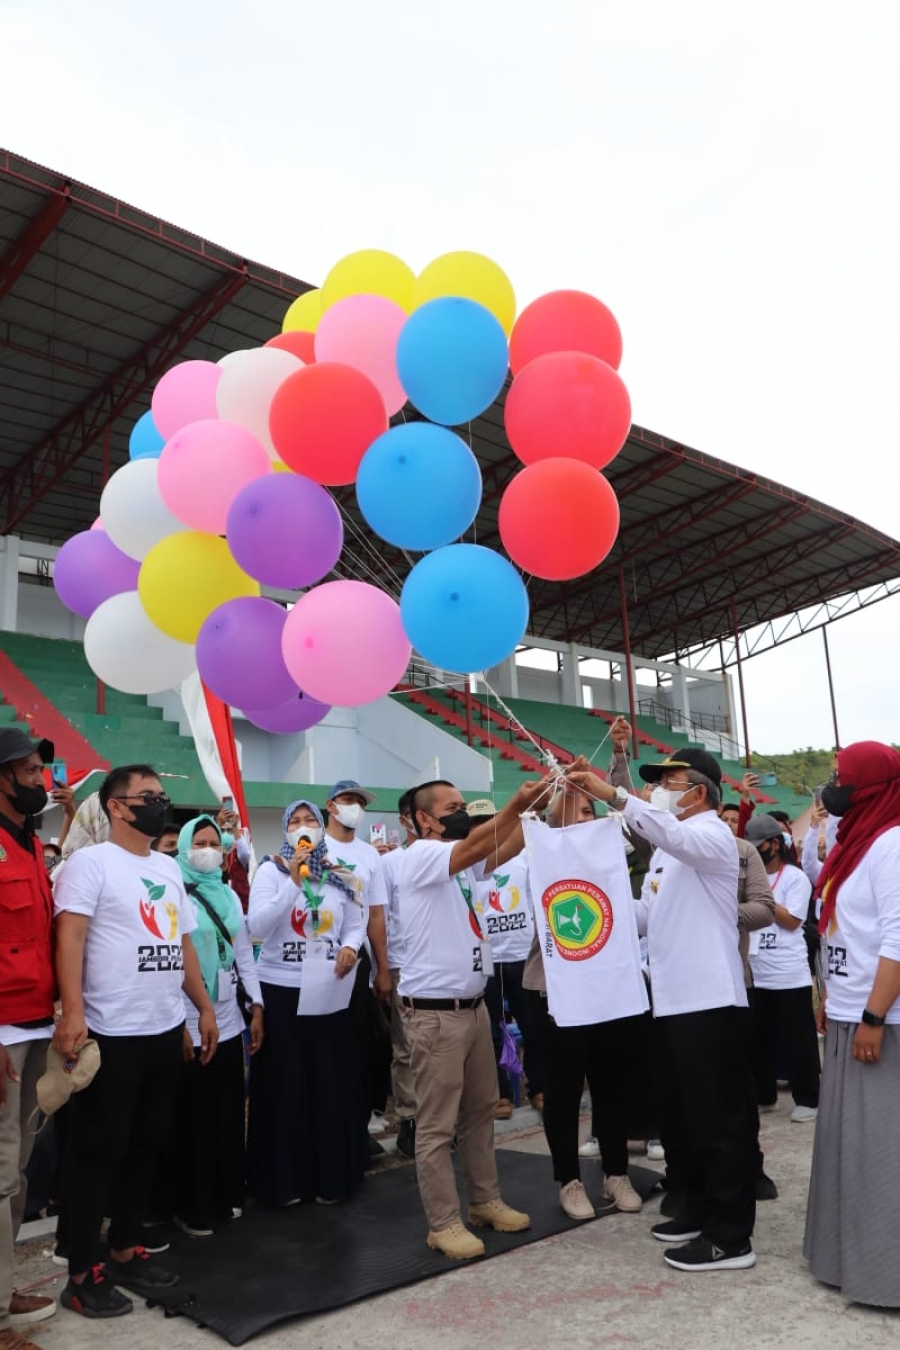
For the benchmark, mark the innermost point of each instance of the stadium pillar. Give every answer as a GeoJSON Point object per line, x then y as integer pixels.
{"type": "Point", "coordinates": [629, 670]}
{"type": "Point", "coordinates": [468, 710]}
{"type": "Point", "coordinates": [740, 670]}
{"type": "Point", "coordinates": [9, 583]}
{"type": "Point", "coordinates": [837, 737]}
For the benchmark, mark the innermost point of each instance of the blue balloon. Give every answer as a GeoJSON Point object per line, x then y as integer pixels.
{"type": "Point", "coordinates": [419, 486]}
{"type": "Point", "coordinates": [145, 441]}
{"type": "Point", "coordinates": [464, 608]}
{"type": "Point", "coordinates": [452, 359]}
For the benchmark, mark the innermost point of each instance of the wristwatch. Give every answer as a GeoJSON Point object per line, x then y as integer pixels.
{"type": "Point", "coordinates": [619, 800]}
{"type": "Point", "coordinates": [872, 1019]}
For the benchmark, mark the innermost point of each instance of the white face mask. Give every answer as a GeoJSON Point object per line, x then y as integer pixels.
{"type": "Point", "coordinates": [313, 833]}
{"type": "Point", "coordinates": [205, 859]}
{"type": "Point", "coordinates": [348, 816]}
{"type": "Point", "coordinates": [667, 799]}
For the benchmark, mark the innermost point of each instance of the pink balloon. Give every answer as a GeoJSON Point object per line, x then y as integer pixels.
{"type": "Point", "coordinates": [362, 331]}
{"type": "Point", "coordinates": [186, 393]}
{"type": "Point", "coordinates": [202, 469]}
{"type": "Point", "coordinates": [343, 643]}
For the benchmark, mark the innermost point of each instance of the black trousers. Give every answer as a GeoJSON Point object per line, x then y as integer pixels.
{"type": "Point", "coordinates": [709, 1119]}
{"type": "Point", "coordinates": [117, 1127]}
{"type": "Point", "coordinates": [208, 1138]}
{"type": "Point", "coordinates": [785, 1017]}
{"type": "Point", "coordinates": [601, 1053]}
{"type": "Point", "coordinates": [525, 1006]}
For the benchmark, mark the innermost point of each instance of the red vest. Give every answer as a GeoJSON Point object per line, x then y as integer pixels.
{"type": "Point", "coordinates": [27, 980]}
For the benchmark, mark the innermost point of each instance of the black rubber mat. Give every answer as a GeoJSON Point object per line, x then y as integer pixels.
{"type": "Point", "coordinates": [273, 1265]}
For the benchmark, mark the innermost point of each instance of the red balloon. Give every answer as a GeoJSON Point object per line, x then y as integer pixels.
{"type": "Point", "coordinates": [323, 419]}
{"type": "Point", "coordinates": [565, 321]}
{"type": "Point", "coordinates": [558, 519]}
{"type": "Point", "coordinates": [297, 343]}
{"type": "Point", "coordinates": [567, 404]}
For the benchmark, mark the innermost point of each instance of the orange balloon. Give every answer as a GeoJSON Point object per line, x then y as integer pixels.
{"type": "Point", "coordinates": [558, 519]}
{"type": "Point", "coordinates": [323, 419]}
{"type": "Point", "coordinates": [567, 404]}
{"type": "Point", "coordinates": [298, 343]}
{"type": "Point", "coordinates": [565, 321]}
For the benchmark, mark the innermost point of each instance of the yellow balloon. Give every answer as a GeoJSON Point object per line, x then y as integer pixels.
{"type": "Point", "coordinates": [185, 577]}
{"type": "Point", "coordinates": [370, 271]}
{"type": "Point", "coordinates": [472, 276]}
{"type": "Point", "coordinates": [304, 314]}
{"type": "Point", "coordinates": [279, 466]}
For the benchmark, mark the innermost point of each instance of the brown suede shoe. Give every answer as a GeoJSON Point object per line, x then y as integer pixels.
{"type": "Point", "coordinates": [27, 1308]}
{"type": "Point", "coordinates": [499, 1216]}
{"type": "Point", "coordinates": [504, 1109]}
{"type": "Point", "coordinates": [11, 1340]}
{"type": "Point", "coordinates": [456, 1242]}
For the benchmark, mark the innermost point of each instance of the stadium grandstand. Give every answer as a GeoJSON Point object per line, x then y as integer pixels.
{"type": "Point", "coordinates": [713, 564]}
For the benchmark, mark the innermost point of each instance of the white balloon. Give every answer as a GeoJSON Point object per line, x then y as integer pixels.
{"type": "Point", "coordinates": [133, 513]}
{"type": "Point", "coordinates": [247, 386]}
{"type": "Point", "coordinates": [128, 652]}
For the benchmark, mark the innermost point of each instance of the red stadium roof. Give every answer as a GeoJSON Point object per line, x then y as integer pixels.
{"type": "Point", "coordinates": [98, 299]}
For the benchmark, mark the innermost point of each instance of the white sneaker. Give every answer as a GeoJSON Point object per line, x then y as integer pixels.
{"type": "Point", "coordinates": [574, 1201]}
{"type": "Point", "coordinates": [804, 1115]}
{"type": "Point", "coordinates": [655, 1150]}
{"type": "Point", "coordinates": [377, 1122]}
{"type": "Point", "coordinates": [623, 1195]}
{"type": "Point", "coordinates": [590, 1148]}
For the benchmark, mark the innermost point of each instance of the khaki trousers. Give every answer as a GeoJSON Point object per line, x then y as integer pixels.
{"type": "Point", "coordinates": [29, 1059]}
{"type": "Point", "coordinates": [455, 1078]}
{"type": "Point", "coordinates": [401, 1073]}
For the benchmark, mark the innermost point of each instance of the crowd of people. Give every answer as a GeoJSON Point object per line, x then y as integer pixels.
{"type": "Point", "coordinates": [206, 1037]}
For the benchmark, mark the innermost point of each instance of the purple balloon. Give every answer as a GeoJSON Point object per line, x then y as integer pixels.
{"type": "Point", "coordinates": [239, 653]}
{"type": "Point", "coordinates": [90, 569]}
{"type": "Point", "coordinates": [299, 714]}
{"type": "Point", "coordinates": [285, 530]}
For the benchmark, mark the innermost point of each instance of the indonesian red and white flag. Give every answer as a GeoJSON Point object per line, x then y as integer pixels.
{"type": "Point", "coordinates": [585, 919]}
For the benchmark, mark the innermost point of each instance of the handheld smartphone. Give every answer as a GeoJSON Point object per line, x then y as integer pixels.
{"type": "Point", "coordinates": [817, 794]}
{"type": "Point", "coordinates": [59, 774]}
{"type": "Point", "coordinates": [227, 803]}
{"type": "Point", "coordinates": [394, 838]}
{"type": "Point", "coordinates": [378, 834]}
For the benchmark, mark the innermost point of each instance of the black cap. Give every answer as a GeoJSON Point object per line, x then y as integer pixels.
{"type": "Point", "coordinates": [15, 745]}
{"type": "Point", "coordinates": [762, 827]}
{"type": "Point", "coordinates": [701, 761]}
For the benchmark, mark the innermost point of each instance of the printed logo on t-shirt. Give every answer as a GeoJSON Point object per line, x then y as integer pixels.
{"type": "Point", "coordinates": [302, 924]}
{"type": "Point", "coordinates": [505, 900]}
{"type": "Point", "coordinates": [580, 918]}
{"type": "Point", "coordinates": [151, 917]}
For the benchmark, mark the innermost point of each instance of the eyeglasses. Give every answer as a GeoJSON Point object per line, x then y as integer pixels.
{"type": "Point", "coordinates": [146, 798]}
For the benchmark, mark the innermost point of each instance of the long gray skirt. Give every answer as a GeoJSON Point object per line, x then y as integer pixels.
{"type": "Point", "coordinates": [853, 1216]}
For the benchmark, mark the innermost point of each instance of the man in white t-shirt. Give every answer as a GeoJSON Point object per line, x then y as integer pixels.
{"type": "Point", "coordinates": [123, 959]}
{"type": "Point", "coordinates": [401, 1073]}
{"type": "Point", "coordinates": [446, 961]}
{"type": "Point", "coordinates": [689, 912]}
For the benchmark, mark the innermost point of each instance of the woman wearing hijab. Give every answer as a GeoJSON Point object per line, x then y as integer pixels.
{"type": "Point", "coordinates": [307, 1138]}
{"type": "Point", "coordinates": [211, 1111]}
{"type": "Point", "coordinates": [854, 1201]}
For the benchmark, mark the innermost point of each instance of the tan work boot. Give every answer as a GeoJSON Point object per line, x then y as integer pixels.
{"type": "Point", "coordinates": [574, 1201]}
{"type": "Point", "coordinates": [623, 1195]}
{"type": "Point", "coordinates": [504, 1109]}
{"type": "Point", "coordinates": [456, 1242]}
{"type": "Point", "coordinates": [499, 1216]}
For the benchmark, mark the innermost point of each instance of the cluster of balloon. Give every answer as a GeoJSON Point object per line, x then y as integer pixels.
{"type": "Point", "coordinates": [226, 491]}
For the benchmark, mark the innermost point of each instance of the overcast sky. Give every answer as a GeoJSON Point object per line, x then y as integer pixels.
{"type": "Point", "coordinates": [723, 175]}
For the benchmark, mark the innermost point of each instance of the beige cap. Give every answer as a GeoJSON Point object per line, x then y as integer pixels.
{"type": "Point", "coordinates": [482, 806]}
{"type": "Point", "coordinates": [65, 1075]}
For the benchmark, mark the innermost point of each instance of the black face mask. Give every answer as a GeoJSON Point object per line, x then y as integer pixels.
{"type": "Point", "coordinates": [149, 818]}
{"type": "Point", "coordinates": [766, 855]}
{"type": "Point", "coordinates": [836, 800]}
{"type": "Point", "coordinates": [28, 801]}
{"type": "Point", "coordinates": [456, 825]}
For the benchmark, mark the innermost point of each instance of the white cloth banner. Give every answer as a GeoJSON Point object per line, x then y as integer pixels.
{"type": "Point", "coordinates": [585, 919]}
{"type": "Point", "coordinates": [204, 738]}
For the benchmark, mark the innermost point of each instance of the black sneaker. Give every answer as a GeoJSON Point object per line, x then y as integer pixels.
{"type": "Point", "coordinates": [765, 1187]}
{"type": "Point", "coordinates": [96, 1296]}
{"type": "Point", "coordinates": [406, 1138]}
{"type": "Point", "coordinates": [143, 1274]}
{"type": "Point", "coordinates": [676, 1230]}
{"type": "Point", "coordinates": [701, 1254]}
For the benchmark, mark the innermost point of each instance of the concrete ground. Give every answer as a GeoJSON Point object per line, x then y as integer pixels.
{"type": "Point", "coordinates": [603, 1284]}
